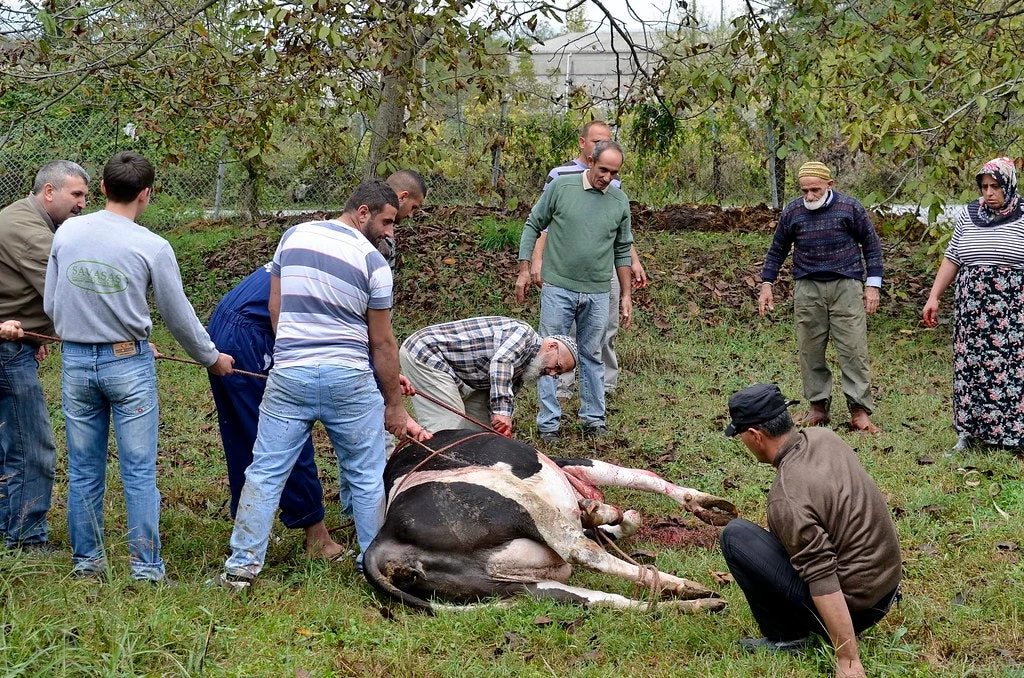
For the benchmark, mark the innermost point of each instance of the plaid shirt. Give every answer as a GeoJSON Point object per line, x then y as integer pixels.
{"type": "Point", "coordinates": [489, 352]}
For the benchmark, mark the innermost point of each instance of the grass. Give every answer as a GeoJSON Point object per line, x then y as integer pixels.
{"type": "Point", "coordinates": [959, 519]}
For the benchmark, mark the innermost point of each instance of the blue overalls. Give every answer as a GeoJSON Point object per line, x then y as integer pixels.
{"type": "Point", "coordinates": [240, 326]}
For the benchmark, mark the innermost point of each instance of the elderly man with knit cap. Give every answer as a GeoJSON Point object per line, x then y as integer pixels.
{"type": "Point", "coordinates": [833, 242]}
{"type": "Point", "coordinates": [473, 366]}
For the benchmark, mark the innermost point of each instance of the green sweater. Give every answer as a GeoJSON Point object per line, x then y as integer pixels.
{"type": "Point", "coordinates": [588, 234]}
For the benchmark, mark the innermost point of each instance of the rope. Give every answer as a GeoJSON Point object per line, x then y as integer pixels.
{"type": "Point", "coordinates": [455, 411]}
{"type": "Point", "coordinates": [159, 356]}
{"type": "Point", "coordinates": [645, 571]}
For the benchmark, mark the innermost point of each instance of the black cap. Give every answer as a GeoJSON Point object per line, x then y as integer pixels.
{"type": "Point", "coordinates": [755, 405]}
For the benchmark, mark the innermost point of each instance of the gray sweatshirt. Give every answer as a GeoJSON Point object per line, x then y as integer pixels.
{"type": "Point", "coordinates": [100, 269]}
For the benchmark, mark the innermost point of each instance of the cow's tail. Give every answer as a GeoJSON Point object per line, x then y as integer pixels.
{"type": "Point", "coordinates": [372, 560]}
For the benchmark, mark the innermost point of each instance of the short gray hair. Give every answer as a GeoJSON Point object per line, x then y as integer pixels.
{"type": "Point", "coordinates": [56, 173]}
{"type": "Point", "coordinates": [602, 146]}
{"type": "Point", "coordinates": [777, 426]}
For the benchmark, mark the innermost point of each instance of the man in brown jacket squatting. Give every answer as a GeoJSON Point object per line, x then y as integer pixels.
{"type": "Point", "coordinates": [830, 560]}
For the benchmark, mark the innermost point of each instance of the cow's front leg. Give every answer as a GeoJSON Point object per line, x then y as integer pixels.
{"type": "Point", "coordinates": [586, 553]}
{"type": "Point", "coordinates": [709, 508]}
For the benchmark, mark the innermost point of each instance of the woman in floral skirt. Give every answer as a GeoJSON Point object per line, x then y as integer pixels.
{"type": "Point", "coordinates": [986, 259]}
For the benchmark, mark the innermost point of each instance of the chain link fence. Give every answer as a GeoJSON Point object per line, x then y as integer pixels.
{"type": "Point", "coordinates": [493, 158]}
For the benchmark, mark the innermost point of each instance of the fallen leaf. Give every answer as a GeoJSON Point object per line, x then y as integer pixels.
{"type": "Point", "coordinates": [924, 461]}
{"type": "Point", "coordinates": [543, 621]}
{"type": "Point", "coordinates": [386, 612]}
{"type": "Point", "coordinates": [721, 577]}
{"type": "Point", "coordinates": [304, 632]}
{"type": "Point", "coordinates": [959, 598]}
{"type": "Point", "coordinates": [1006, 546]}
{"type": "Point", "coordinates": [932, 508]}
{"type": "Point", "coordinates": [450, 261]}
{"type": "Point", "coordinates": [570, 627]}
{"type": "Point", "coordinates": [929, 549]}
{"type": "Point", "coordinates": [302, 673]}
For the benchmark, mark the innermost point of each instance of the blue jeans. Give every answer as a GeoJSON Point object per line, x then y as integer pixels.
{"type": "Point", "coordinates": [559, 307]}
{"type": "Point", "coordinates": [351, 408]}
{"type": "Point", "coordinates": [96, 385]}
{"type": "Point", "coordinates": [27, 452]}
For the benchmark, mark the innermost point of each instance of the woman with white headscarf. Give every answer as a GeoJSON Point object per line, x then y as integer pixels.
{"type": "Point", "coordinates": [986, 259]}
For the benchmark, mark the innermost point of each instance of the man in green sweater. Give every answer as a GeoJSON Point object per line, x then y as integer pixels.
{"type": "Point", "coordinates": [588, 225]}
{"type": "Point", "coordinates": [830, 563]}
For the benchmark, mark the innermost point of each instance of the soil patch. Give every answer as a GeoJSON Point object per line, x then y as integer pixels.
{"type": "Point", "coordinates": [670, 531]}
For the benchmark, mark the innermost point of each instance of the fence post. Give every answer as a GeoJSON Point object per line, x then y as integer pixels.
{"type": "Point", "coordinates": [220, 179]}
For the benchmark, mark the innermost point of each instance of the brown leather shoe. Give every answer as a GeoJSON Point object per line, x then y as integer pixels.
{"type": "Point", "coordinates": [816, 416]}
{"type": "Point", "coordinates": [860, 420]}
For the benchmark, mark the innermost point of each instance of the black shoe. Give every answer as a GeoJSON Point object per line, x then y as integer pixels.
{"type": "Point", "coordinates": [788, 646]}
{"type": "Point", "coordinates": [550, 436]}
{"type": "Point", "coordinates": [595, 431]}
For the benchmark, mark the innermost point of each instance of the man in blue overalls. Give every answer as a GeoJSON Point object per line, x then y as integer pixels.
{"type": "Point", "coordinates": [241, 321]}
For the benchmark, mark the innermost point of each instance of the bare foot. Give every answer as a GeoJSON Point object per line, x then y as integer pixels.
{"type": "Point", "coordinates": [861, 421]}
{"type": "Point", "coordinates": [319, 543]}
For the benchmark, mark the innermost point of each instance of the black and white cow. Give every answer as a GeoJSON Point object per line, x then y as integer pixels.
{"type": "Point", "coordinates": [487, 516]}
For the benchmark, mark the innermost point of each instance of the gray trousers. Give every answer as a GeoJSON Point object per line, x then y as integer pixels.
{"type": "Point", "coordinates": [444, 387]}
{"type": "Point", "coordinates": [567, 381]}
{"type": "Point", "coordinates": [833, 309]}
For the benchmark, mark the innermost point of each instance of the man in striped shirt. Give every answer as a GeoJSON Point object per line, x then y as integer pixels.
{"type": "Point", "coordinates": [832, 240]}
{"type": "Point", "coordinates": [330, 303]}
{"type": "Point", "coordinates": [475, 365]}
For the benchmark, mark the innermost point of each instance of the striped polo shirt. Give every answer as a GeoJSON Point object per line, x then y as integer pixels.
{"type": "Point", "coordinates": [991, 245]}
{"type": "Point", "coordinates": [330, 275]}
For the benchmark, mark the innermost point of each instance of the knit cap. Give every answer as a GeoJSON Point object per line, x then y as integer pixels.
{"type": "Point", "coordinates": [570, 344]}
{"type": "Point", "coordinates": [815, 169]}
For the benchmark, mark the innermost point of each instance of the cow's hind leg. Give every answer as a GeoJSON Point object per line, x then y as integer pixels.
{"type": "Point", "coordinates": [709, 508]}
{"type": "Point", "coordinates": [553, 590]}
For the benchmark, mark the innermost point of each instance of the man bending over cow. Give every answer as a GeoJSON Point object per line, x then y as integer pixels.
{"type": "Point", "coordinates": [330, 304]}
{"type": "Point", "coordinates": [831, 560]}
{"type": "Point", "coordinates": [475, 365]}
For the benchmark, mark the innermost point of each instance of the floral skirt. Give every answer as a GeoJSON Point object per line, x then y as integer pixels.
{"type": "Point", "coordinates": [988, 355]}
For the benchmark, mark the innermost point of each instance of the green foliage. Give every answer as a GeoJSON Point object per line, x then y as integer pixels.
{"type": "Point", "coordinates": [927, 87]}
{"type": "Point", "coordinates": [495, 234]}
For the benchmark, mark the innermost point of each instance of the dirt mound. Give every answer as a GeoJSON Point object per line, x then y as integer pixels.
{"type": "Point", "coordinates": [704, 218]}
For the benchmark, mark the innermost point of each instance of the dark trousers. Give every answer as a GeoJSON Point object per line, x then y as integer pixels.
{"type": "Point", "coordinates": [779, 599]}
{"type": "Point", "coordinates": [238, 400]}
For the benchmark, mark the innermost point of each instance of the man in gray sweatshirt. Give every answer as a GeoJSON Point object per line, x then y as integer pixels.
{"type": "Point", "coordinates": [100, 269]}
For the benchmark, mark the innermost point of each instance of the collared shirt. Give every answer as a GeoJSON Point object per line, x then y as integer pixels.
{"type": "Point", "coordinates": [488, 352]}
{"type": "Point", "coordinates": [587, 186]}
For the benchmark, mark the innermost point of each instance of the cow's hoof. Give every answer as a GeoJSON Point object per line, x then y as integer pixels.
{"type": "Point", "coordinates": [715, 510]}
{"type": "Point", "coordinates": [689, 590]}
{"type": "Point", "coordinates": [699, 605]}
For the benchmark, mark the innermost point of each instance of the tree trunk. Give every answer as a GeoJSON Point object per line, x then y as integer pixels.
{"type": "Point", "coordinates": [249, 192]}
{"type": "Point", "coordinates": [389, 120]}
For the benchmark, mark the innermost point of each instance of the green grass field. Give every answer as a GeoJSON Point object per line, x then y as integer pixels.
{"type": "Point", "coordinates": [697, 339]}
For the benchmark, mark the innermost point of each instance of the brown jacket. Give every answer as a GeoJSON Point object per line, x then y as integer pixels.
{"type": "Point", "coordinates": [26, 234]}
{"type": "Point", "coordinates": [833, 520]}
